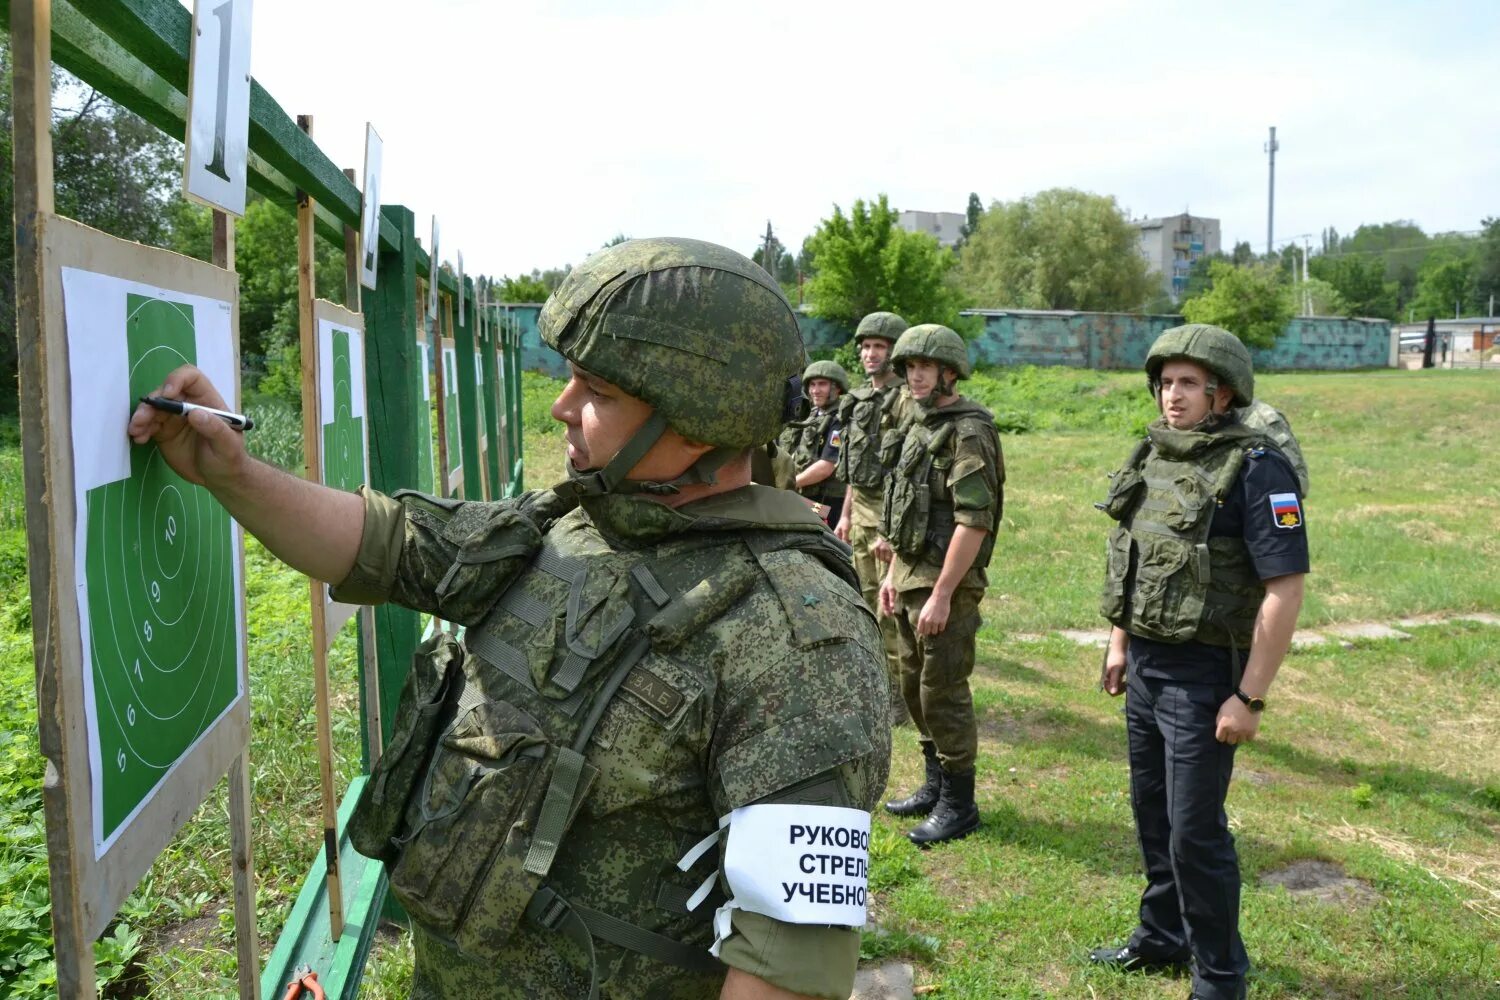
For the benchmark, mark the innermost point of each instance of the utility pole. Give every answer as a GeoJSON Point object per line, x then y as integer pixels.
{"type": "Point", "coordinates": [768, 251]}
{"type": "Point", "coordinates": [1271, 147]}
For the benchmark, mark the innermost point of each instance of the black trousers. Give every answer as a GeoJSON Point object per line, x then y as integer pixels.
{"type": "Point", "coordinates": [1179, 778]}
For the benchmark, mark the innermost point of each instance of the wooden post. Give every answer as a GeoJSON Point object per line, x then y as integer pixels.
{"type": "Point", "coordinates": [435, 339]}
{"type": "Point", "coordinates": [242, 853]}
{"type": "Point", "coordinates": [369, 672]}
{"type": "Point", "coordinates": [306, 290]}
{"type": "Point", "coordinates": [31, 56]}
{"type": "Point", "coordinates": [469, 412]}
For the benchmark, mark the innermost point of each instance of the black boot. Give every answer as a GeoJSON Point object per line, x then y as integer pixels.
{"type": "Point", "coordinates": [920, 802]}
{"type": "Point", "coordinates": [956, 815]}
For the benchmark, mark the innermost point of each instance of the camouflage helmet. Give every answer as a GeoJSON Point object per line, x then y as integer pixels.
{"type": "Point", "coordinates": [884, 325]}
{"type": "Point", "coordinates": [1213, 347]}
{"type": "Point", "coordinates": [934, 341]}
{"type": "Point", "coordinates": [694, 329]}
{"type": "Point", "coordinates": [831, 370]}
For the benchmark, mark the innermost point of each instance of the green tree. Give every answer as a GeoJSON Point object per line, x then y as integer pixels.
{"type": "Point", "coordinates": [1447, 283]}
{"type": "Point", "coordinates": [1250, 302]}
{"type": "Point", "coordinates": [866, 263]}
{"type": "Point", "coordinates": [1400, 245]}
{"type": "Point", "coordinates": [1316, 297]}
{"type": "Point", "coordinates": [111, 170]}
{"type": "Point", "coordinates": [524, 288]}
{"type": "Point", "coordinates": [783, 266]}
{"type": "Point", "coordinates": [1487, 266]}
{"type": "Point", "coordinates": [972, 215]}
{"type": "Point", "coordinates": [1058, 249]}
{"type": "Point", "coordinates": [1360, 283]}
{"type": "Point", "coordinates": [1243, 254]}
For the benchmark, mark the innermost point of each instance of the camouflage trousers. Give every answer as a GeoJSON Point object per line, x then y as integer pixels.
{"type": "Point", "coordinates": [871, 571]}
{"type": "Point", "coordinates": [935, 673]}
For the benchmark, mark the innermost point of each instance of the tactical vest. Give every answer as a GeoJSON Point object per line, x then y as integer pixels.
{"type": "Point", "coordinates": [1167, 579]}
{"type": "Point", "coordinates": [804, 439]}
{"type": "Point", "coordinates": [488, 765]}
{"type": "Point", "coordinates": [916, 513]}
{"type": "Point", "coordinates": [863, 414]}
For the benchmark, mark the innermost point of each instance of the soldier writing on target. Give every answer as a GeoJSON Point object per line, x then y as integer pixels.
{"type": "Point", "coordinates": [662, 663]}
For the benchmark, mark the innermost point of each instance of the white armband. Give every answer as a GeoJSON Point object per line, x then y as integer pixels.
{"type": "Point", "coordinates": [797, 863]}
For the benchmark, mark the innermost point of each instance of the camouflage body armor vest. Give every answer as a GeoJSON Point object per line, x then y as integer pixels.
{"type": "Point", "coordinates": [489, 766]}
{"type": "Point", "coordinates": [804, 439]}
{"type": "Point", "coordinates": [1167, 579]}
{"type": "Point", "coordinates": [862, 414]}
{"type": "Point", "coordinates": [916, 513]}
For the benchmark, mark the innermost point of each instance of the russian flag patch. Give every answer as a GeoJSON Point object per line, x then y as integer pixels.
{"type": "Point", "coordinates": [1286, 510]}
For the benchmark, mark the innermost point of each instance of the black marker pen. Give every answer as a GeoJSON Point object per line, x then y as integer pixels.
{"type": "Point", "coordinates": [238, 421]}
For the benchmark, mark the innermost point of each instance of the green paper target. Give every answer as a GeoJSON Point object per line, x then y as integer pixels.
{"type": "Point", "coordinates": [161, 580]}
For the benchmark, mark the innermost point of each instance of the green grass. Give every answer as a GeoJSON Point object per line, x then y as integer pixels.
{"type": "Point", "coordinates": [1381, 757]}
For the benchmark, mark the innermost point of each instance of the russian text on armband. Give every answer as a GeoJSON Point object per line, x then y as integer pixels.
{"type": "Point", "coordinates": [797, 863]}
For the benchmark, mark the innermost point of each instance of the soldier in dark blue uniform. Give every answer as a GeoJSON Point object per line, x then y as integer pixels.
{"type": "Point", "coordinates": [1204, 584]}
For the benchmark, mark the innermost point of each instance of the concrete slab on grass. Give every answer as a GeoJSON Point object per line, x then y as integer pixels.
{"type": "Point", "coordinates": [1368, 630]}
{"type": "Point", "coordinates": [887, 981]}
{"type": "Point", "coordinates": [1086, 637]}
{"type": "Point", "coordinates": [1303, 639]}
{"type": "Point", "coordinates": [1482, 617]}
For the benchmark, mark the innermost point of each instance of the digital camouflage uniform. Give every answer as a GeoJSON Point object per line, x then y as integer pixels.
{"type": "Point", "coordinates": [949, 471]}
{"type": "Point", "coordinates": [661, 666]}
{"type": "Point", "coordinates": [866, 415]}
{"type": "Point", "coordinates": [1204, 516]}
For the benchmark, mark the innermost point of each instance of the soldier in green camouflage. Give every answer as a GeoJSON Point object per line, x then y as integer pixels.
{"type": "Point", "coordinates": [669, 693]}
{"type": "Point", "coordinates": [941, 510]}
{"type": "Point", "coordinates": [866, 415]}
{"type": "Point", "coordinates": [814, 441]}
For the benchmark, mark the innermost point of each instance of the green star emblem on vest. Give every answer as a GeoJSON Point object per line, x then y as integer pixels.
{"type": "Point", "coordinates": [810, 600]}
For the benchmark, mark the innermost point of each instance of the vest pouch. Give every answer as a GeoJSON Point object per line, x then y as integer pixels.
{"type": "Point", "coordinates": [1117, 573]}
{"type": "Point", "coordinates": [461, 870]}
{"type": "Point", "coordinates": [905, 508]}
{"type": "Point", "coordinates": [1167, 603]}
{"type": "Point", "coordinates": [1124, 487]}
{"type": "Point", "coordinates": [890, 446]}
{"type": "Point", "coordinates": [1187, 503]}
{"type": "Point", "coordinates": [379, 814]}
{"type": "Point", "coordinates": [862, 444]}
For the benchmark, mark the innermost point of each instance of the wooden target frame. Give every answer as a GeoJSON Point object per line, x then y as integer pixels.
{"type": "Point", "coordinates": [90, 883]}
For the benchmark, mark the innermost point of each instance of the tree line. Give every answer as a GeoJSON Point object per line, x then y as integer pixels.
{"type": "Point", "coordinates": [1069, 249]}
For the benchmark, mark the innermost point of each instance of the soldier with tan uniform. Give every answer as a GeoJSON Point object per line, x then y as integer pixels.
{"type": "Point", "coordinates": [668, 690]}
{"type": "Point", "coordinates": [866, 415]}
{"type": "Point", "coordinates": [942, 507]}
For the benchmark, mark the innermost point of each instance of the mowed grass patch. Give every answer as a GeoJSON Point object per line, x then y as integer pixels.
{"type": "Point", "coordinates": [1404, 515]}
{"type": "Point", "coordinates": [1379, 759]}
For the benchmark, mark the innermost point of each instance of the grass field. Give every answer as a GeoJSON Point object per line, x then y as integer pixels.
{"type": "Point", "coordinates": [1382, 760]}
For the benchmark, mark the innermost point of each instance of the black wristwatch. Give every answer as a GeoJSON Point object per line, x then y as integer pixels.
{"type": "Point", "coordinates": [1254, 704]}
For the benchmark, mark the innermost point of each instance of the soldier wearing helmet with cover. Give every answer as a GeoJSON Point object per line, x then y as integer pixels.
{"type": "Point", "coordinates": [665, 668]}
{"type": "Point", "coordinates": [866, 415]}
{"type": "Point", "coordinates": [813, 442]}
{"type": "Point", "coordinates": [941, 510]}
{"type": "Point", "coordinates": [1203, 585]}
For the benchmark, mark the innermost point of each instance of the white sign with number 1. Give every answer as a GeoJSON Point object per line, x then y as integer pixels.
{"type": "Point", "coordinates": [218, 131]}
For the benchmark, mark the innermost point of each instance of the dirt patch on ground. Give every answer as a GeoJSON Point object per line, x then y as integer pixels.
{"type": "Point", "coordinates": [1324, 881]}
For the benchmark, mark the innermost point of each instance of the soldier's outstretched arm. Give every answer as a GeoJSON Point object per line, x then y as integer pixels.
{"type": "Point", "coordinates": [311, 527]}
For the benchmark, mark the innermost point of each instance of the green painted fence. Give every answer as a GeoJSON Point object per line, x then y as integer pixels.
{"type": "Point", "coordinates": [136, 53]}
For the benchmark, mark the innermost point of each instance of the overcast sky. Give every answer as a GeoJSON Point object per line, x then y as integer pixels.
{"type": "Point", "coordinates": [537, 131]}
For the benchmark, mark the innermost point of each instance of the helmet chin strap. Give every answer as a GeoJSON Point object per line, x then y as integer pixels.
{"type": "Point", "coordinates": [611, 478]}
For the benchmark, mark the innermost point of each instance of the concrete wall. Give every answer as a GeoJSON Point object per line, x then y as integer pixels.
{"type": "Point", "coordinates": [1078, 340]}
